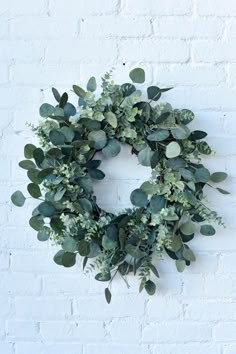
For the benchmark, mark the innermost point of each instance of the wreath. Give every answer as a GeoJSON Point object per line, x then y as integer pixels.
{"type": "Point", "coordinates": [166, 209]}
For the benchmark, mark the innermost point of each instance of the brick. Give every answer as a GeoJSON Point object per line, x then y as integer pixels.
{"type": "Point", "coordinates": [83, 50]}
{"type": "Point", "coordinates": [48, 348]}
{"type": "Point", "coordinates": [187, 348]}
{"type": "Point", "coordinates": [49, 308]}
{"type": "Point", "coordinates": [224, 332]}
{"type": "Point", "coordinates": [214, 51]}
{"type": "Point", "coordinates": [188, 27]}
{"type": "Point", "coordinates": [22, 330]}
{"type": "Point", "coordinates": [230, 349]}
{"type": "Point", "coordinates": [227, 263]}
{"type": "Point", "coordinates": [43, 27]}
{"type": "Point", "coordinates": [124, 331]}
{"type": "Point", "coordinates": [206, 310]}
{"type": "Point", "coordinates": [26, 8]}
{"type": "Point", "coordinates": [162, 308]}
{"type": "Point", "coordinates": [20, 50]}
{"type": "Point", "coordinates": [116, 349]}
{"type": "Point", "coordinates": [13, 283]}
{"type": "Point", "coordinates": [216, 7]}
{"type": "Point", "coordinates": [118, 307]}
{"type": "Point", "coordinates": [193, 75]}
{"type": "Point", "coordinates": [223, 287]}
{"type": "Point", "coordinates": [116, 26]}
{"type": "Point", "coordinates": [83, 8]}
{"type": "Point", "coordinates": [154, 50]}
{"type": "Point", "coordinates": [4, 260]}
{"type": "Point", "coordinates": [6, 348]}
{"type": "Point", "coordinates": [160, 7]}
{"type": "Point", "coordinates": [177, 332]}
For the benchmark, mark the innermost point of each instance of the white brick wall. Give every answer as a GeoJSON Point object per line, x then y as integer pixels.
{"type": "Point", "coordinates": [190, 44]}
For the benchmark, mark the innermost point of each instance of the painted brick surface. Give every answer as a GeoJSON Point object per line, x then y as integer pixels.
{"type": "Point", "coordinates": [189, 44]}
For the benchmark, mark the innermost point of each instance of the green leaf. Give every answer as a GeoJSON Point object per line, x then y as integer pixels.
{"type": "Point", "coordinates": [173, 150]}
{"type": "Point", "coordinates": [204, 148]}
{"type": "Point", "coordinates": [207, 230]}
{"type": "Point", "coordinates": [98, 139]}
{"type": "Point", "coordinates": [46, 110]}
{"type": "Point", "coordinates": [108, 244]}
{"type": "Point", "coordinates": [180, 132]}
{"type": "Point", "coordinates": [92, 85]}
{"type": "Point", "coordinates": [34, 190]}
{"type": "Point", "coordinates": [96, 174]}
{"type": "Point", "coordinates": [36, 222]}
{"type": "Point", "coordinates": [188, 255]}
{"type": "Point", "coordinates": [108, 295]}
{"type": "Point", "coordinates": [26, 164]}
{"type": "Point", "coordinates": [63, 100]}
{"type": "Point", "coordinates": [69, 244]}
{"type": "Point", "coordinates": [137, 75]}
{"type": "Point", "coordinates": [45, 172]}
{"type": "Point", "coordinates": [59, 194]}
{"type": "Point", "coordinates": [149, 188]}
{"type": "Point", "coordinates": [83, 248]}
{"type": "Point", "coordinates": [222, 191]}
{"type": "Point", "coordinates": [44, 234]}
{"type": "Point", "coordinates": [176, 243]}
{"type": "Point", "coordinates": [111, 119]}
{"type": "Point", "coordinates": [68, 259]}
{"type": "Point", "coordinates": [186, 116]}
{"type": "Point", "coordinates": [86, 205]}
{"type": "Point", "coordinates": [18, 198]}
{"type": "Point", "coordinates": [139, 198]}
{"type": "Point", "coordinates": [69, 110]}
{"type": "Point", "coordinates": [46, 209]}
{"type": "Point", "coordinates": [127, 89]}
{"type": "Point", "coordinates": [106, 276]}
{"type": "Point", "coordinates": [197, 135]}
{"type": "Point", "coordinates": [86, 184]}
{"type": "Point", "coordinates": [38, 155]}
{"type": "Point", "coordinates": [187, 228]}
{"type": "Point", "coordinates": [186, 174]}
{"type": "Point", "coordinates": [180, 265]}
{"type": "Point", "coordinates": [58, 257]}
{"type": "Point", "coordinates": [176, 163]}
{"type": "Point", "coordinates": [134, 251]}
{"type": "Point", "coordinates": [155, 159]}
{"type": "Point", "coordinates": [56, 137]}
{"type": "Point", "coordinates": [218, 177]}
{"type": "Point", "coordinates": [162, 118]}
{"type": "Point", "coordinates": [112, 148]}
{"type": "Point", "coordinates": [202, 175]}
{"type": "Point", "coordinates": [157, 202]}
{"type": "Point", "coordinates": [56, 94]}
{"type": "Point", "coordinates": [150, 287]}
{"type": "Point", "coordinates": [158, 135]}
{"type": "Point", "coordinates": [154, 270]}
{"type": "Point", "coordinates": [154, 93]}
{"type": "Point", "coordinates": [79, 91]}
{"type": "Point", "coordinates": [144, 156]}
{"type": "Point", "coordinates": [28, 151]}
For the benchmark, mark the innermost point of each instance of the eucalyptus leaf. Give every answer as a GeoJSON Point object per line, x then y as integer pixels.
{"type": "Point", "coordinates": [145, 156]}
{"type": "Point", "coordinates": [158, 135]}
{"type": "Point", "coordinates": [218, 177]}
{"type": "Point", "coordinates": [92, 85]}
{"type": "Point", "coordinates": [137, 75]}
{"type": "Point", "coordinates": [173, 150]}
{"type": "Point", "coordinates": [139, 198]}
{"type": "Point", "coordinates": [18, 198]}
{"type": "Point", "coordinates": [112, 148]}
{"type": "Point", "coordinates": [207, 230]}
{"type": "Point", "coordinates": [150, 287]}
{"type": "Point", "coordinates": [98, 139]}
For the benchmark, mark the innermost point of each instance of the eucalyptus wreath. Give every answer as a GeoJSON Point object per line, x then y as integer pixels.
{"type": "Point", "coordinates": [168, 209]}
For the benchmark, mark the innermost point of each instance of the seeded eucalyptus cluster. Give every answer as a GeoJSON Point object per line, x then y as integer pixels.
{"type": "Point", "coordinates": [168, 209]}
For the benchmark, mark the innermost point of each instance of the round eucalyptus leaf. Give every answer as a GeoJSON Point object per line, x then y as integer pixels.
{"type": "Point", "coordinates": [38, 155]}
{"type": "Point", "coordinates": [157, 202]}
{"type": "Point", "coordinates": [112, 148]}
{"type": "Point", "coordinates": [46, 209]}
{"type": "Point", "coordinates": [150, 287]}
{"type": "Point", "coordinates": [69, 244]}
{"type": "Point", "coordinates": [33, 175]}
{"type": "Point", "coordinates": [207, 230]}
{"type": "Point", "coordinates": [28, 151]}
{"type": "Point", "coordinates": [180, 132]}
{"type": "Point", "coordinates": [34, 190]}
{"type": "Point", "coordinates": [46, 110]}
{"type": "Point", "coordinates": [158, 135]}
{"type": "Point", "coordinates": [26, 164]}
{"type": "Point", "coordinates": [36, 222]}
{"type": "Point", "coordinates": [139, 198]}
{"type": "Point", "coordinates": [83, 248]}
{"type": "Point", "coordinates": [137, 75]}
{"type": "Point", "coordinates": [145, 156]}
{"type": "Point", "coordinates": [154, 93]}
{"type": "Point", "coordinates": [56, 137]}
{"type": "Point", "coordinates": [98, 139]}
{"type": "Point", "coordinates": [96, 173]}
{"type": "Point", "coordinates": [173, 150]}
{"type": "Point", "coordinates": [218, 177]}
{"type": "Point", "coordinates": [58, 257]}
{"type": "Point", "coordinates": [188, 255]}
{"type": "Point", "coordinates": [202, 175]}
{"type": "Point", "coordinates": [92, 84]}
{"type": "Point", "coordinates": [111, 119]}
{"type": "Point", "coordinates": [134, 251]}
{"type": "Point", "coordinates": [18, 198]}
{"type": "Point", "coordinates": [180, 265]}
{"type": "Point", "coordinates": [68, 259]}
{"type": "Point", "coordinates": [69, 110]}
{"type": "Point", "coordinates": [44, 234]}
{"type": "Point", "coordinates": [86, 205]}
{"type": "Point", "coordinates": [187, 228]}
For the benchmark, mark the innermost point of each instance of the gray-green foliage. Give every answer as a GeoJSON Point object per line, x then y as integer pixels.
{"type": "Point", "coordinates": [167, 208]}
